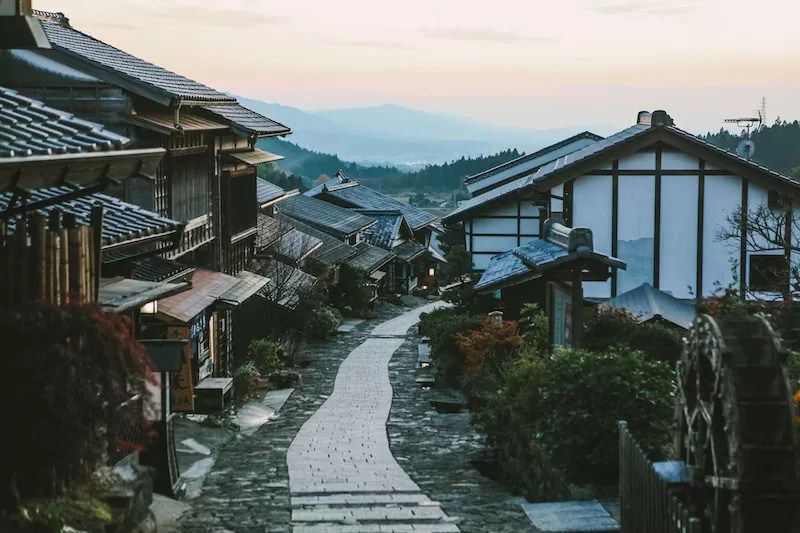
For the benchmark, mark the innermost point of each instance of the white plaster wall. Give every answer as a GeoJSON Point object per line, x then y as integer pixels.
{"type": "Point", "coordinates": [678, 269]}
{"type": "Point", "coordinates": [722, 195]}
{"type": "Point", "coordinates": [635, 226]}
{"type": "Point", "coordinates": [529, 226]}
{"type": "Point", "coordinates": [495, 225]}
{"type": "Point", "coordinates": [679, 161]}
{"type": "Point", "coordinates": [591, 205]}
{"type": "Point", "coordinates": [493, 244]}
{"type": "Point", "coordinates": [527, 209]}
{"type": "Point", "coordinates": [480, 262]}
{"type": "Point", "coordinates": [508, 208]}
{"type": "Point", "coordinates": [638, 161]}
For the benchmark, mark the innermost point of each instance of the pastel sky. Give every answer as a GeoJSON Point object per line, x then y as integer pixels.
{"type": "Point", "coordinates": [514, 62]}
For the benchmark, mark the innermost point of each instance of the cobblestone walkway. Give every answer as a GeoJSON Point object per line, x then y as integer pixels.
{"type": "Point", "coordinates": [343, 476]}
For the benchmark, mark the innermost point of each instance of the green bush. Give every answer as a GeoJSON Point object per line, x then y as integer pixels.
{"type": "Point", "coordinates": [610, 328]}
{"type": "Point", "coordinates": [354, 291]}
{"type": "Point", "coordinates": [285, 378]}
{"type": "Point", "coordinates": [246, 380]}
{"type": "Point", "coordinates": [266, 355]}
{"type": "Point", "coordinates": [583, 395]}
{"type": "Point", "coordinates": [442, 326]}
{"type": "Point", "coordinates": [323, 321]}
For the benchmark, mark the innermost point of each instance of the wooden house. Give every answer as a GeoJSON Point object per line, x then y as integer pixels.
{"type": "Point", "coordinates": [211, 158]}
{"type": "Point", "coordinates": [656, 197]}
{"type": "Point", "coordinates": [407, 231]}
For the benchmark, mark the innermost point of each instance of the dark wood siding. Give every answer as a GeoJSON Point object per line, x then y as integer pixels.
{"type": "Point", "coordinates": [188, 178]}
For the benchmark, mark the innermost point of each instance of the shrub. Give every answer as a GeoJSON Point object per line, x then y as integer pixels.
{"type": "Point", "coordinates": [266, 355]}
{"type": "Point", "coordinates": [584, 394]}
{"type": "Point", "coordinates": [323, 322]}
{"type": "Point", "coordinates": [442, 326]}
{"type": "Point", "coordinates": [353, 291]}
{"type": "Point", "coordinates": [610, 328]}
{"type": "Point", "coordinates": [489, 347]}
{"type": "Point", "coordinates": [535, 329]}
{"type": "Point", "coordinates": [285, 378]}
{"type": "Point", "coordinates": [73, 367]}
{"type": "Point", "coordinates": [246, 380]}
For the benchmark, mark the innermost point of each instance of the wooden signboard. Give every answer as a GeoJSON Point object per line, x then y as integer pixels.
{"type": "Point", "coordinates": [561, 316]}
{"type": "Point", "coordinates": [182, 387]}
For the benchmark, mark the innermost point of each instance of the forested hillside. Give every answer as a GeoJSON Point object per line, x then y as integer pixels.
{"type": "Point", "coordinates": [776, 147]}
{"type": "Point", "coordinates": [311, 165]}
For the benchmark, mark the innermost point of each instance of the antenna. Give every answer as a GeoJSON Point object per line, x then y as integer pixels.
{"type": "Point", "coordinates": [747, 147]}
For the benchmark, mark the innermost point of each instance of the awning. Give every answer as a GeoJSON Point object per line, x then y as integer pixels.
{"type": "Point", "coordinates": [249, 284]}
{"type": "Point", "coordinates": [207, 286]}
{"type": "Point", "coordinates": [255, 157]}
{"type": "Point", "coordinates": [118, 295]}
{"type": "Point", "coordinates": [163, 121]}
{"type": "Point", "coordinates": [378, 275]}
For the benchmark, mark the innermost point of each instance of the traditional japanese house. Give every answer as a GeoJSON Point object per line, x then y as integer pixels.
{"type": "Point", "coordinates": [413, 236]}
{"type": "Point", "coordinates": [552, 272]}
{"type": "Point", "coordinates": [209, 138]}
{"type": "Point", "coordinates": [347, 225]}
{"type": "Point", "coordinates": [268, 194]}
{"type": "Point", "coordinates": [659, 198]}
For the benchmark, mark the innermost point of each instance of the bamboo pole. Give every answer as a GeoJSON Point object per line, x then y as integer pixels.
{"type": "Point", "coordinates": [97, 248]}
{"type": "Point", "coordinates": [74, 265]}
{"type": "Point", "coordinates": [54, 259]}
{"type": "Point", "coordinates": [63, 266]}
{"type": "Point", "coordinates": [83, 290]}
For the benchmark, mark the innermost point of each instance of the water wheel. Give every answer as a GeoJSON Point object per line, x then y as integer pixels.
{"type": "Point", "coordinates": [736, 426]}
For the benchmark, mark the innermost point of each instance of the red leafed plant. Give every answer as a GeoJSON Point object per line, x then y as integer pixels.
{"type": "Point", "coordinates": [492, 344]}
{"type": "Point", "coordinates": [71, 374]}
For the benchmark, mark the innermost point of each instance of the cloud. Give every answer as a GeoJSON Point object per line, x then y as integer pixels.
{"type": "Point", "coordinates": [191, 12]}
{"type": "Point", "coordinates": [390, 45]}
{"type": "Point", "coordinates": [642, 7]}
{"type": "Point", "coordinates": [485, 35]}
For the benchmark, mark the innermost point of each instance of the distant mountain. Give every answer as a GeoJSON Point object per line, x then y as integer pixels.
{"type": "Point", "coordinates": [406, 138]}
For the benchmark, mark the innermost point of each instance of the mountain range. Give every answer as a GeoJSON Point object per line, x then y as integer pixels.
{"type": "Point", "coordinates": [406, 138]}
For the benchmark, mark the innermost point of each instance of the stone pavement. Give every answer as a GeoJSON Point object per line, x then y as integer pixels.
{"type": "Point", "coordinates": [362, 487]}
{"type": "Point", "coordinates": [342, 474]}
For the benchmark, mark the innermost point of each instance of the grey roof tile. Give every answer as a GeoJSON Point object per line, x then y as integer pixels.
{"type": "Point", "coordinates": [118, 295]}
{"type": "Point", "coordinates": [286, 284]}
{"type": "Point", "coordinates": [370, 258]}
{"type": "Point", "coordinates": [363, 197]}
{"type": "Point", "coordinates": [645, 302]}
{"type": "Point", "coordinates": [295, 245]}
{"type": "Point", "coordinates": [485, 199]}
{"type": "Point", "coordinates": [121, 221]}
{"type": "Point", "coordinates": [503, 270]}
{"type": "Point", "coordinates": [409, 250]}
{"type": "Point", "coordinates": [155, 268]}
{"type": "Point", "coordinates": [249, 284]}
{"type": "Point", "coordinates": [387, 230]}
{"type": "Point", "coordinates": [248, 120]}
{"type": "Point", "coordinates": [207, 287]}
{"type": "Point", "coordinates": [266, 191]}
{"type": "Point", "coordinates": [28, 127]}
{"type": "Point", "coordinates": [269, 231]}
{"type": "Point", "coordinates": [325, 216]}
{"type": "Point", "coordinates": [332, 252]}
{"type": "Point", "coordinates": [76, 44]}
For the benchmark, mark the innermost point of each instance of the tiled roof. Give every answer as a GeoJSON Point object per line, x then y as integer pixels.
{"type": "Point", "coordinates": [485, 199]}
{"type": "Point", "coordinates": [296, 245]}
{"type": "Point", "coordinates": [121, 221]}
{"type": "Point", "coordinates": [325, 216]}
{"type": "Point", "coordinates": [254, 157]}
{"type": "Point", "coordinates": [118, 295]}
{"type": "Point", "coordinates": [504, 269]}
{"type": "Point", "coordinates": [332, 251]}
{"type": "Point", "coordinates": [267, 192]}
{"type": "Point", "coordinates": [286, 284]}
{"type": "Point", "coordinates": [387, 229]}
{"type": "Point", "coordinates": [526, 164]}
{"type": "Point", "coordinates": [365, 198]}
{"type": "Point", "coordinates": [646, 302]}
{"type": "Point", "coordinates": [269, 230]}
{"type": "Point", "coordinates": [28, 127]}
{"type": "Point", "coordinates": [163, 120]}
{"type": "Point", "coordinates": [409, 250]}
{"type": "Point", "coordinates": [369, 259]}
{"type": "Point", "coordinates": [207, 286]}
{"type": "Point", "coordinates": [155, 268]}
{"type": "Point", "coordinates": [137, 71]}
{"type": "Point", "coordinates": [248, 120]}
{"type": "Point", "coordinates": [336, 180]}
{"type": "Point", "coordinates": [249, 284]}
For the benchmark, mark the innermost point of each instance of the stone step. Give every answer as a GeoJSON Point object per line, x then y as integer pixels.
{"type": "Point", "coordinates": [376, 528]}
{"type": "Point", "coordinates": [361, 498]}
{"type": "Point", "coordinates": [404, 513]}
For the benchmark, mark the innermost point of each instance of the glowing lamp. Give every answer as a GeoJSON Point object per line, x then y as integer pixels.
{"type": "Point", "coordinates": [431, 271]}
{"type": "Point", "coordinates": [150, 308]}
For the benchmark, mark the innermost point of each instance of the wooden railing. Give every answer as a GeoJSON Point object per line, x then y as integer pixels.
{"type": "Point", "coordinates": [50, 260]}
{"type": "Point", "coordinates": [648, 503]}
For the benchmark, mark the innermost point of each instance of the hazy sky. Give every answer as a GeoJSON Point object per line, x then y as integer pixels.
{"type": "Point", "coordinates": [515, 62]}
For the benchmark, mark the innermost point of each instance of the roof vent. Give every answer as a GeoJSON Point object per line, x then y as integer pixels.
{"type": "Point", "coordinates": [643, 117]}
{"type": "Point", "coordinates": [661, 118]}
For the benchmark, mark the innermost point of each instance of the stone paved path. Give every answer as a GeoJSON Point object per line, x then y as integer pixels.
{"type": "Point", "coordinates": [342, 474]}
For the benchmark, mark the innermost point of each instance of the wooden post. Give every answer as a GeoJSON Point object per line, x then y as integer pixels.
{"type": "Point", "coordinates": [577, 306]}
{"type": "Point", "coordinates": [39, 260]}
{"type": "Point", "coordinates": [54, 225]}
{"type": "Point", "coordinates": [97, 248]}
{"type": "Point", "coordinates": [4, 256]}
{"type": "Point", "coordinates": [19, 279]}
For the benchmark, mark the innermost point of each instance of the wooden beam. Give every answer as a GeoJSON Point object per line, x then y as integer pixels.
{"type": "Point", "coordinates": [743, 238]}
{"type": "Point", "coordinates": [657, 223]}
{"type": "Point", "coordinates": [577, 307]}
{"type": "Point", "coordinates": [701, 188]}
{"type": "Point", "coordinates": [567, 207]}
{"type": "Point", "coordinates": [614, 219]}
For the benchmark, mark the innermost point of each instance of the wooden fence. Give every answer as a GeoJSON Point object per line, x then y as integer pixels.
{"type": "Point", "coordinates": [648, 503]}
{"type": "Point", "coordinates": [50, 259]}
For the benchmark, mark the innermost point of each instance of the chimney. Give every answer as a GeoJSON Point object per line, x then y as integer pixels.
{"type": "Point", "coordinates": [643, 117]}
{"type": "Point", "coordinates": [19, 28]}
{"type": "Point", "coordinates": [661, 118]}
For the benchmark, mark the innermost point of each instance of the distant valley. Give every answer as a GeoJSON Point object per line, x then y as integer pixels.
{"type": "Point", "coordinates": [407, 139]}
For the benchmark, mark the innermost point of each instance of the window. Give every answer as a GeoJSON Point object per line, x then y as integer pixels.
{"type": "Point", "coordinates": [768, 273]}
{"type": "Point", "coordinates": [239, 200]}
{"type": "Point", "coordinates": [188, 177]}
